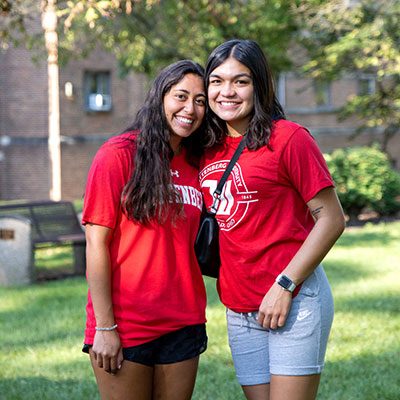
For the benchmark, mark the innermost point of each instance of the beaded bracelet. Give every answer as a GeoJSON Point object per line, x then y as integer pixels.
{"type": "Point", "coordinates": [106, 329]}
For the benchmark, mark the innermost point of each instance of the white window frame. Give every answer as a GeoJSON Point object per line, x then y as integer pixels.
{"type": "Point", "coordinates": [97, 91]}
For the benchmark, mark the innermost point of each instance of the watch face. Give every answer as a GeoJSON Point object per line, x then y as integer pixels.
{"type": "Point", "coordinates": [285, 281]}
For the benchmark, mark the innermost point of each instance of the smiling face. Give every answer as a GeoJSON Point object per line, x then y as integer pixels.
{"type": "Point", "coordinates": [231, 95]}
{"type": "Point", "coordinates": [184, 108]}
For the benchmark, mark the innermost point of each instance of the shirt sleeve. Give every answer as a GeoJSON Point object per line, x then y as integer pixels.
{"type": "Point", "coordinates": [305, 165]}
{"type": "Point", "coordinates": [107, 177]}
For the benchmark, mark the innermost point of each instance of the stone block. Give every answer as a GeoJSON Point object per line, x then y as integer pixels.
{"type": "Point", "coordinates": [16, 251]}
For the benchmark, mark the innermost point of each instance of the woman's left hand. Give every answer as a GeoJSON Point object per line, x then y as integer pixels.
{"type": "Point", "coordinates": [274, 308]}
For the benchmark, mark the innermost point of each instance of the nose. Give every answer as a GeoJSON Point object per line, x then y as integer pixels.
{"type": "Point", "coordinates": [189, 107]}
{"type": "Point", "coordinates": [227, 90]}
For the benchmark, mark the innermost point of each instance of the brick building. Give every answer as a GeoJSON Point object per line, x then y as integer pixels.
{"type": "Point", "coordinates": [96, 104]}
{"type": "Point", "coordinates": [316, 107]}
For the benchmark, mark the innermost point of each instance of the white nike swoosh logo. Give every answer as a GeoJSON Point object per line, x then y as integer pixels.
{"type": "Point", "coordinates": [303, 314]}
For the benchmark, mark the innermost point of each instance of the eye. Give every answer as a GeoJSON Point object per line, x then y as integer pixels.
{"type": "Point", "coordinates": [180, 96]}
{"type": "Point", "coordinates": [242, 82]}
{"type": "Point", "coordinates": [215, 81]}
{"type": "Point", "coordinates": [200, 102]}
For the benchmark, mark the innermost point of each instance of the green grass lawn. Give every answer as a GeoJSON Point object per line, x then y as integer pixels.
{"type": "Point", "coordinates": [41, 330]}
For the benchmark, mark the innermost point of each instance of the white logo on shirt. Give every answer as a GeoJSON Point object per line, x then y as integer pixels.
{"type": "Point", "coordinates": [176, 173]}
{"type": "Point", "coordinates": [227, 201]}
{"type": "Point", "coordinates": [235, 197]}
{"type": "Point", "coordinates": [190, 195]}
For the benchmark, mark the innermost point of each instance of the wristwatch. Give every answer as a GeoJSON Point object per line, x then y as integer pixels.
{"type": "Point", "coordinates": [285, 282]}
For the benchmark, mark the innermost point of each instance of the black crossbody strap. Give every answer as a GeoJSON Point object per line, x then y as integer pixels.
{"type": "Point", "coordinates": [217, 194]}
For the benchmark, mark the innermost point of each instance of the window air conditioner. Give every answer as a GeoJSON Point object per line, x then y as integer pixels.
{"type": "Point", "coordinates": [99, 102]}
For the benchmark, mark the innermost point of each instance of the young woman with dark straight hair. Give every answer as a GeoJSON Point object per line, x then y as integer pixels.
{"type": "Point", "coordinates": [146, 305]}
{"type": "Point", "coordinates": [279, 216]}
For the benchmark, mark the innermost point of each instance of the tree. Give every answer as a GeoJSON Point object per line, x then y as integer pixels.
{"type": "Point", "coordinates": [356, 37]}
{"type": "Point", "coordinates": [16, 18]}
{"type": "Point", "coordinates": [49, 24]}
{"type": "Point", "coordinates": [148, 34]}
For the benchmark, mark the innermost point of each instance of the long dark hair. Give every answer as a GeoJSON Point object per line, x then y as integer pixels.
{"type": "Point", "coordinates": [267, 108]}
{"type": "Point", "coordinates": [150, 194]}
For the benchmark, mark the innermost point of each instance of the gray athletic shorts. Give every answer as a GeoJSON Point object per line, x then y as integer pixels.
{"type": "Point", "coordinates": [298, 348]}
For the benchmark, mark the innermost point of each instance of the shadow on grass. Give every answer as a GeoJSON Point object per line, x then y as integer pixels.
{"type": "Point", "coordinates": [34, 388]}
{"type": "Point", "coordinates": [339, 271]}
{"type": "Point", "coordinates": [365, 239]}
{"type": "Point", "coordinates": [51, 310]}
{"type": "Point", "coordinates": [366, 377]}
{"type": "Point", "coordinates": [380, 303]}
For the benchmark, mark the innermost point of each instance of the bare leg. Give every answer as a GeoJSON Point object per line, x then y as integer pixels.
{"type": "Point", "coordinates": [257, 392]}
{"type": "Point", "coordinates": [294, 387]}
{"type": "Point", "coordinates": [175, 381]}
{"type": "Point", "coordinates": [133, 381]}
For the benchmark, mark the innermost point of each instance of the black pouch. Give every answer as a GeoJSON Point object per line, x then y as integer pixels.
{"type": "Point", "coordinates": [206, 246]}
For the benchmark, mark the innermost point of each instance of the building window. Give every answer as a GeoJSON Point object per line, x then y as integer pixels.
{"type": "Point", "coordinates": [322, 94]}
{"type": "Point", "coordinates": [366, 85]}
{"type": "Point", "coordinates": [97, 89]}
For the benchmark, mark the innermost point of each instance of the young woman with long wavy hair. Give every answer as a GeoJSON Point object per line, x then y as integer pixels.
{"type": "Point", "coordinates": [279, 216]}
{"type": "Point", "coordinates": [146, 304]}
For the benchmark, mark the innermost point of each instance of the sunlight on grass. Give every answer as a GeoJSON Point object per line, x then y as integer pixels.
{"type": "Point", "coordinates": [54, 257]}
{"type": "Point", "coordinates": [40, 349]}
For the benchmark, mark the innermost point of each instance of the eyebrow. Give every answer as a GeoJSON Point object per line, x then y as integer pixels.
{"type": "Point", "coordinates": [235, 77]}
{"type": "Point", "coordinates": [187, 92]}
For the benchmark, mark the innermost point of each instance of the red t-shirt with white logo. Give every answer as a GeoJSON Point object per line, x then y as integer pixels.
{"type": "Point", "coordinates": [263, 216]}
{"type": "Point", "coordinates": [157, 286]}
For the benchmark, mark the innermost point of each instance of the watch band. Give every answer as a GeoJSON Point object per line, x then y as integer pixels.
{"type": "Point", "coordinates": [285, 282]}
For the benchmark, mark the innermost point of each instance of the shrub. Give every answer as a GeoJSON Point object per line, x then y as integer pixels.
{"type": "Point", "coordinates": [364, 178]}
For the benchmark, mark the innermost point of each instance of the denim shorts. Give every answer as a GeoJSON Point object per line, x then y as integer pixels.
{"type": "Point", "coordinates": [180, 345]}
{"type": "Point", "coordinates": [298, 348]}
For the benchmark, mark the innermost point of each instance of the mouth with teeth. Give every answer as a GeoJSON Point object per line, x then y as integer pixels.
{"type": "Point", "coordinates": [184, 120]}
{"type": "Point", "coordinates": [228, 104]}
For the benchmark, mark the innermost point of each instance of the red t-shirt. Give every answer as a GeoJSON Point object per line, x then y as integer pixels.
{"type": "Point", "coordinates": [157, 286]}
{"type": "Point", "coordinates": [263, 216]}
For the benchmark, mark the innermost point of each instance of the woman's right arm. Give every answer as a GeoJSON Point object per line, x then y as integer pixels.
{"type": "Point", "coordinates": [107, 348]}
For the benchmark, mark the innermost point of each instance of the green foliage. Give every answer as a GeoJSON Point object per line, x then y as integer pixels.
{"type": "Point", "coordinates": [16, 18]}
{"type": "Point", "coordinates": [353, 38]}
{"type": "Point", "coordinates": [364, 178]}
{"type": "Point", "coordinates": [147, 35]}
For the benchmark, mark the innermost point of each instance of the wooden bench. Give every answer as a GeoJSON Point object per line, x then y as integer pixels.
{"type": "Point", "coordinates": [52, 224]}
